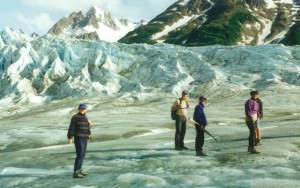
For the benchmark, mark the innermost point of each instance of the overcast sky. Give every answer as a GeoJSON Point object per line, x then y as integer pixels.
{"type": "Point", "coordinates": [40, 15]}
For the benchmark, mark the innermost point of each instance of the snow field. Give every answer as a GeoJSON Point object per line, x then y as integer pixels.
{"type": "Point", "coordinates": [138, 150]}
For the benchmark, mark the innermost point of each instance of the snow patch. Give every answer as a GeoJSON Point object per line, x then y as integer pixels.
{"type": "Point", "coordinates": [155, 132]}
{"type": "Point", "coordinates": [31, 171]}
{"type": "Point", "coordinates": [183, 2]}
{"type": "Point", "coordinates": [173, 27]}
{"type": "Point", "coordinates": [270, 4]}
{"type": "Point", "coordinates": [141, 180]}
{"type": "Point", "coordinates": [266, 31]}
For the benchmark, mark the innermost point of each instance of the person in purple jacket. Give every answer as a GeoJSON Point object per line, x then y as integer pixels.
{"type": "Point", "coordinates": [252, 113]}
{"type": "Point", "coordinates": [200, 118]}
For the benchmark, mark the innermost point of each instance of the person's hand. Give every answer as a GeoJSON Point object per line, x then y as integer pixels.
{"type": "Point", "coordinates": [90, 123]}
{"type": "Point", "coordinates": [70, 141]}
{"type": "Point", "coordinates": [90, 137]}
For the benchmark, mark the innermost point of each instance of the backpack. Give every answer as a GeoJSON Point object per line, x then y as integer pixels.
{"type": "Point", "coordinates": [174, 113]}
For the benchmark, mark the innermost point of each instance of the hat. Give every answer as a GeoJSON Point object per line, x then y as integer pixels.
{"type": "Point", "coordinates": [82, 106]}
{"type": "Point", "coordinates": [255, 92]}
{"type": "Point", "coordinates": [202, 97]}
{"type": "Point", "coordinates": [184, 92]}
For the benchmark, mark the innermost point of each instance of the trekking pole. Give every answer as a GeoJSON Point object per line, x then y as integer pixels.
{"type": "Point", "coordinates": [204, 130]}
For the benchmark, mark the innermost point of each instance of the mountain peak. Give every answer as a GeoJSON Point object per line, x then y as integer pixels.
{"type": "Point", "coordinates": [8, 29]}
{"type": "Point", "coordinates": [94, 10]}
{"type": "Point", "coordinates": [94, 24]}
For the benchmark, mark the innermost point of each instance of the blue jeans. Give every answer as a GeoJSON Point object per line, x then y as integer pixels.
{"type": "Point", "coordinates": [80, 146]}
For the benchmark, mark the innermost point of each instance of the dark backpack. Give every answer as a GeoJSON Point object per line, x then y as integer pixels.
{"type": "Point", "coordinates": [174, 113]}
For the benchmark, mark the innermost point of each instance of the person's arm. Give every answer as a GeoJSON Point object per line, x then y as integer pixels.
{"type": "Point", "coordinates": [90, 125]}
{"type": "Point", "coordinates": [195, 116]}
{"type": "Point", "coordinates": [71, 130]}
{"type": "Point", "coordinates": [260, 108]}
{"type": "Point", "coordinates": [187, 104]}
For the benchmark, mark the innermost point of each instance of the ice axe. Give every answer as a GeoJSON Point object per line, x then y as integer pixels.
{"type": "Point", "coordinates": [204, 130]}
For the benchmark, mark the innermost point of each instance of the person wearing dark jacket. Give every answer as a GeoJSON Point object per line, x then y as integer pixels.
{"type": "Point", "coordinates": [252, 113]}
{"type": "Point", "coordinates": [79, 129]}
{"type": "Point", "coordinates": [200, 118]}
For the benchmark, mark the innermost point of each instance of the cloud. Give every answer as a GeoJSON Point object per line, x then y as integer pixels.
{"type": "Point", "coordinates": [39, 24]}
{"type": "Point", "coordinates": [71, 5]}
{"type": "Point", "coordinates": [43, 12]}
{"type": "Point", "coordinates": [142, 9]}
{"type": "Point", "coordinates": [131, 9]}
{"type": "Point", "coordinates": [42, 22]}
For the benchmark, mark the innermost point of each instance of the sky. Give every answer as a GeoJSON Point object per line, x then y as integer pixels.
{"type": "Point", "coordinates": [40, 15]}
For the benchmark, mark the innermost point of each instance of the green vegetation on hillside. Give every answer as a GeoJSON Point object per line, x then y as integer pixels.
{"type": "Point", "coordinates": [224, 28]}
{"type": "Point", "coordinates": [225, 24]}
{"type": "Point", "coordinates": [224, 31]}
{"type": "Point", "coordinates": [178, 36]}
{"type": "Point", "coordinates": [144, 33]}
{"type": "Point", "coordinates": [293, 36]}
{"type": "Point", "coordinates": [281, 23]}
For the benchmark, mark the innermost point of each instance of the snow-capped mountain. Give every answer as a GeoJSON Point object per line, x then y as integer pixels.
{"type": "Point", "coordinates": [95, 24]}
{"type": "Point", "coordinates": [48, 68]}
{"type": "Point", "coordinates": [230, 22]}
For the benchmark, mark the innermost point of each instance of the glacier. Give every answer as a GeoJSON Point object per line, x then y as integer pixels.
{"type": "Point", "coordinates": [45, 69]}
{"type": "Point", "coordinates": [129, 90]}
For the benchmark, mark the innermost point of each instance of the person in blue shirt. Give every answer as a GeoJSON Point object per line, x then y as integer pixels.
{"type": "Point", "coordinates": [200, 118]}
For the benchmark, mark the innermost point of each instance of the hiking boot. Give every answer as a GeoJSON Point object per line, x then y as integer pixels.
{"type": "Point", "coordinates": [83, 173]}
{"type": "Point", "coordinates": [184, 148]}
{"type": "Point", "coordinates": [200, 153]}
{"type": "Point", "coordinates": [254, 151]}
{"type": "Point", "coordinates": [258, 142]}
{"type": "Point", "coordinates": [77, 175]}
{"type": "Point", "coordinates": [178, 148]}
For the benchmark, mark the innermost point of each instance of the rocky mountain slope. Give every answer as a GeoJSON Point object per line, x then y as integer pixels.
{"type": "Point", "coordinates": [95, 24]}
{"type": "Point", "coordinates": [225, 22]}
